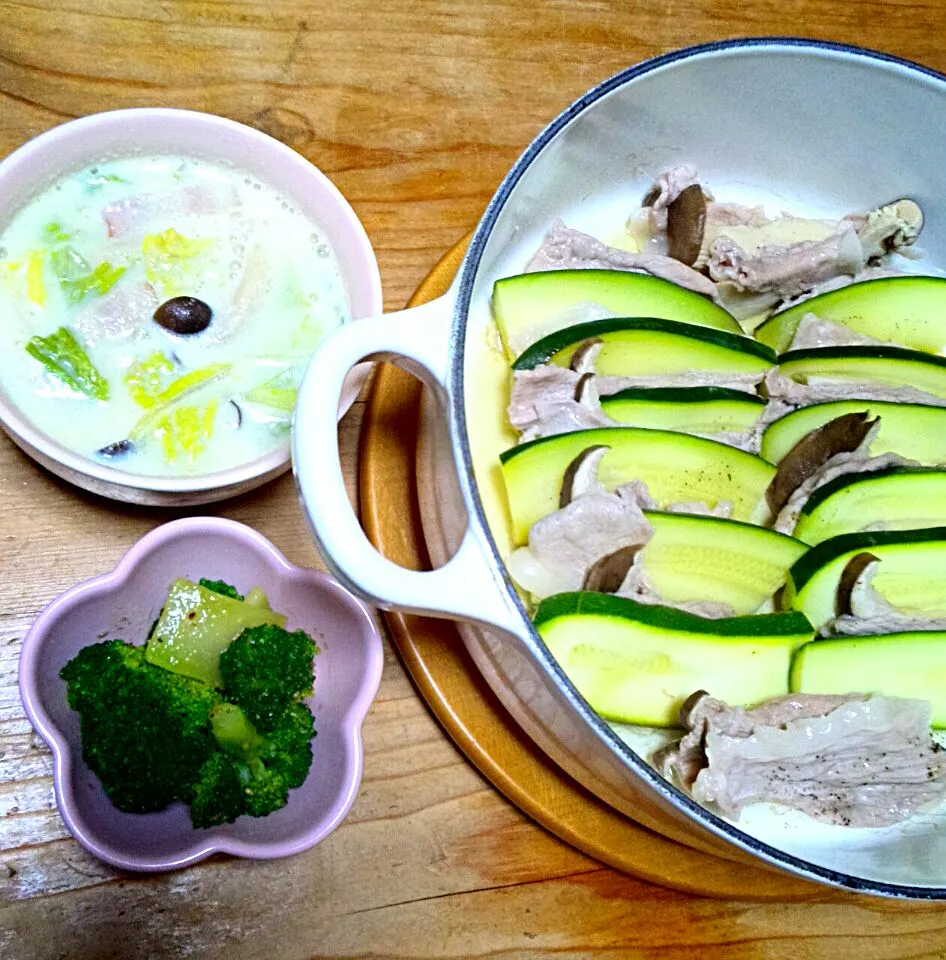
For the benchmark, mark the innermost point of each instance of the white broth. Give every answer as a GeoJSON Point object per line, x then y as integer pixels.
{"type": "Point", "coordinates": [86, 264]}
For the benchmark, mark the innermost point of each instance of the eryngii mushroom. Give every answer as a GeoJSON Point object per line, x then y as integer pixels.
{"type": "Point", "coordinates": [586, 354]}
{"type": "Point", "coordinates": [889, 228]}
{"type": "Point", "coordinates": [585, 391]}
{"type": "Point", "coordinates": [686, 223]}
{"type": "Point", "coordinates": [841, 435]}
{"type": "Point", "coordinates": [581, 475]}
{"type": "Point", "coordinates": [852, 577]}
{"type": "Point", "coordinates": [607, 573]}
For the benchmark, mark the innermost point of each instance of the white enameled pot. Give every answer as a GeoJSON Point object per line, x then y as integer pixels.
{"type": "Point", "coordinates": [799, 125]}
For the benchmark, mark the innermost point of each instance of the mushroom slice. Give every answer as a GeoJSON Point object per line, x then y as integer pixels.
{"type": "Point", "coordinates": [686, 223]}
{"type": "Point", "coordinates": [585, 392]}
{"type": "Point", "coordinates": [585, 355]}
{"type": "Point", "coordinates": [889, 228]}
{"type": "Point", "coordinates": [841, 435]}
{"type": "Point", "coordinates": [117, 449]}
{"type": "Point", "coordinates": [581, 475]}
{"type": "Point", "coordinates": [851, 576]}
{"type": "Point", "coordinates": [607, 573]}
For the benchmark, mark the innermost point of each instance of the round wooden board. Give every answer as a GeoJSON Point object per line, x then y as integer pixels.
{"type": "Point", "coordinates": [459, 697]}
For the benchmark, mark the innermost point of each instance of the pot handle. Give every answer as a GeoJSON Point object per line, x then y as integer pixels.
{"type": "Point", "coordinates": [418, 340]}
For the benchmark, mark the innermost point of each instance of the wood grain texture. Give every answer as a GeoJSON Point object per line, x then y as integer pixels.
{"type": "Point", "coordinates": [415, 108]}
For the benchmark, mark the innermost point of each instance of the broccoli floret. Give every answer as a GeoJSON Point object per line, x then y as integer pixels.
{"type": "Point", "coordinates": [221, 587]}
{"type": "Point", "coordinates": [218, 796]}
{"type": "Point", "coordinates": [252, 773]}
{"type": "Point", "coordinates": [153, 736]}
{"type": "Point", "coordinates": [291, 741]}
{"type": "Point", "coordinates": [265, 670]}
{"type": "Point", "coordinates": [145, 731]}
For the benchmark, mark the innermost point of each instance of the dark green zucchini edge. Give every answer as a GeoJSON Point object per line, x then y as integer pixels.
{"type": "Point", "coordinates": [851, 479]}
{"type": "Point", "coordinates": [543, 350]}
{"type": "Point", "coordinates": [862, 352]}
{"type": "Point", "coordinates": [805, 567]}
{"type": "Point", "coordinates": [609, 436]}
{"type": "Point", "coordinates": [607, 605]}
{"type": "Point", "coordinates": [684, 395]}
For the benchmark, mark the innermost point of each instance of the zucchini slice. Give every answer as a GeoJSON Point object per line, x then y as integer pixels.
{"type": "Point", "coordinates": [911, 574]}
{"type": "Point", "coordinates": [687, 409]}
{"type": "Point", "coordinates": [910, 311]}
{"type": "Point", "coordinates": [911, 665]}
{"type": "Point", "coordinates": [893, 366]}
{"type": "Point", "coordinates": [913, 430]}
{"type": "Point", "coordinates": [676, 468]}
{"type": "Point", "coordinates": [708, 558]}
{"type": "Point", "coordinates": [637, 663]}
{"type": "Point", "coordinates": [651, 346]}
{"type": "Point", "coordinates": [901, 498]}
{"type": "Point", "coordinates": [525, 306]}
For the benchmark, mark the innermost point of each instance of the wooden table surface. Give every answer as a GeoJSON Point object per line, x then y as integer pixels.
{"type": "Point", "coordinates": [415, 108]}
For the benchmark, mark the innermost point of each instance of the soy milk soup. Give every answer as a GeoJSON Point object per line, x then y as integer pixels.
{"type": "Point", "coordinates": [108, 278]}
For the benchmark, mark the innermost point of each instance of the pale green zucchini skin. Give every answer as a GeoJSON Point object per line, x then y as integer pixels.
{"type": "Point", "coordinates": [528, 300]}
{"type": "Point", "coordinates": [910, 665]}
{"type": "Point", "coordinates": [909, 311]}
{"type": "Point", "coordinates": [697, 558]}
{"type": "Point", "coordinates": [637, 663]}
{"type": "Point", "coordinates": [651, 346]}
{"type": "Point", "coordinates": [900, 498]}
{"type": "Point", "coordinates": [915, 431]}
{"type": "Point", "coordinates": [911, 575]}
{"type": "Point", "coordinates": [676, 468]}
{"type": "Point", "coordinates": [686, 409]}
{"type": "Point", "coordinates": [889, 366]}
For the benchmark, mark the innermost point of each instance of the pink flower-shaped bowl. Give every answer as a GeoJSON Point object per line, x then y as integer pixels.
{"type": "Point", "coordinates": [124, 604]}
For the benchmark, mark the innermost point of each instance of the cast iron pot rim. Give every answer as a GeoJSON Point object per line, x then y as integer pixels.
{"type": "Point", "coordinates": [460, 443]}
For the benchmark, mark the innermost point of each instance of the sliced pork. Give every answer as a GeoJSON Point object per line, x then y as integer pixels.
{"type": "Point", "coordinates": [549, 400]}
{"type": "Point", "coordinates": [564, 544]}
{"type": "Point", "coordinates": [822, 389]}
{"type": "Point", "coordinates": [566, 249]}
{"type": "Point", "coordinates": [861, 761]}
{"type": "Point", "coordinates": [786, 270]}
{"type": "Point", "coordinates": [132, 215]}
{"type": "Point", "coordinates": [544, 402]}
{"type": "Point", "coordinates": [813, 332]}
{"type": "Point", "coordinates": [117, 314]}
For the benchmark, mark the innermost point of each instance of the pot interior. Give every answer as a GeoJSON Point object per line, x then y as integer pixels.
{"type": "Point", "coordinates": [807, 128]}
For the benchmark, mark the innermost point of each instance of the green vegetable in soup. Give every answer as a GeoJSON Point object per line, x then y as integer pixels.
{"type": "Point", "coordinates": [168, 260]}
{"type": "Point", "coordinates": [77, 279]}
{"type": "Point", "coordinates": [278, 393]}
{"type": "Point", "coordinates": [147, 379]}
{"type": "Point", "coordinates": [61, 354]}
{"type": "Point", "coordinates": [163, 403]}
{"type": "Point", "coordinates": [54, 233]}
